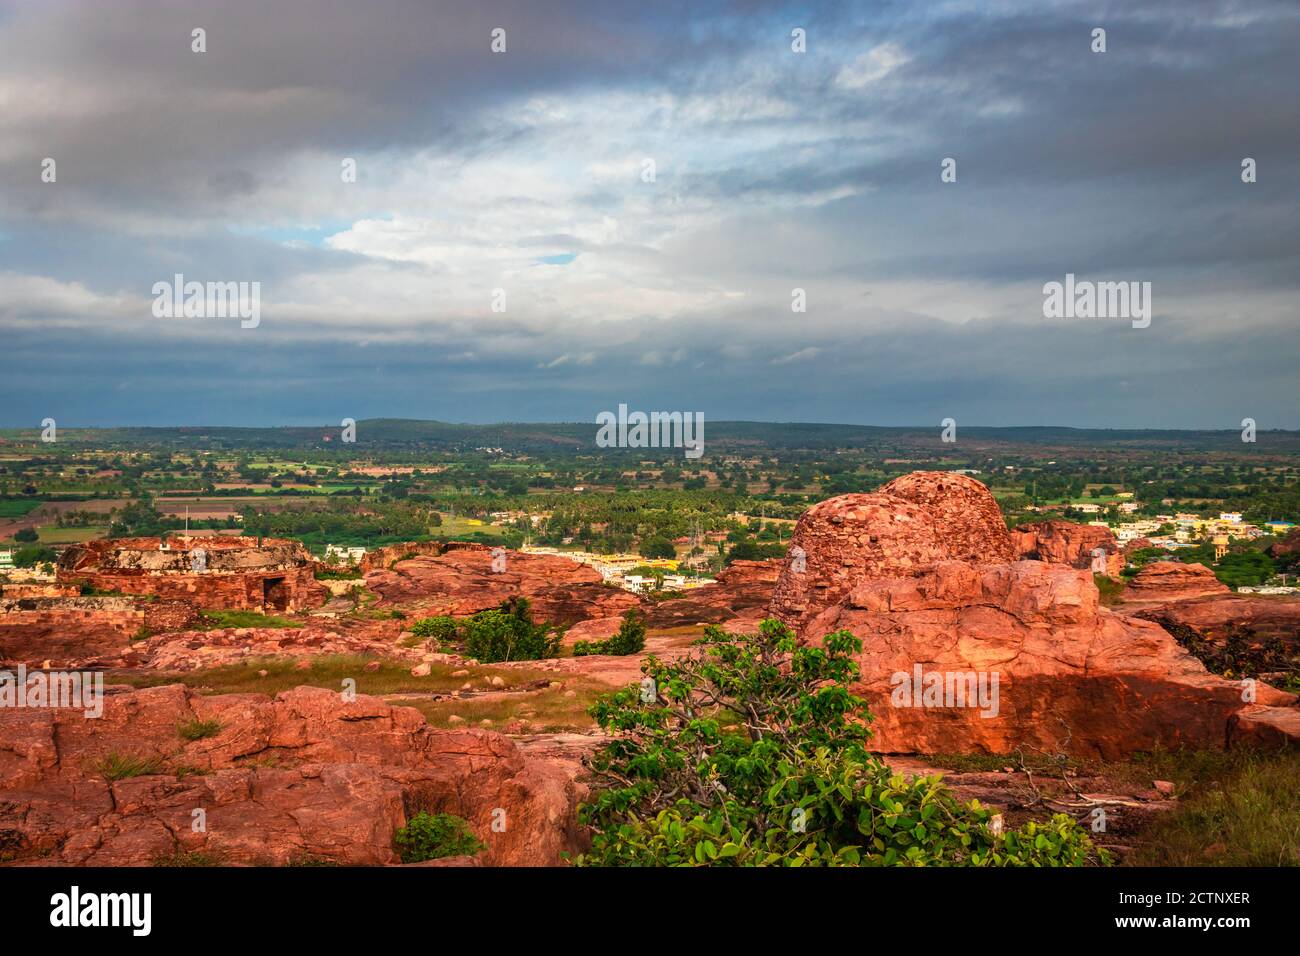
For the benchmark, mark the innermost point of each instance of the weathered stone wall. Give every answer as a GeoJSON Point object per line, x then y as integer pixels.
{"type": "Point", "coordinates": [33, 630]}
{"type": "Point", "coordinates": [232, 573]}
{"type": "Point", "coordinates": [13, 591]}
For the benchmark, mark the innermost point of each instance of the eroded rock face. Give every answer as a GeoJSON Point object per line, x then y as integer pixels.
{"type": "Point", "coordinates": [1072, 676]}
{"type": "Point", "coordinates": [1171, 581]}
{"type": "Point", "coordinates": [462, 581]}
{"type": "Point", "coordinates": [1234, 631]}
{"type": "Point", "coordinates": [741, 587]}
{"type": "Point", "coordinates": [1068, 543]}
{"type": "Point", "coordinates": [908, 527]}
{"type": "Point", "coordinates": [304, 776]}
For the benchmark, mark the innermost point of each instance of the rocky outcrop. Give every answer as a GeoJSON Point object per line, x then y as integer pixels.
{"type": "Point", "coordinates": [740, 587]}
{"type": "Point", "coordinates": [1137, 544]}
{"type": "Point", "coordinates": [1235, 632]}
{"type": "Point", "coordinates": [462, 581]}
{"type": "Point", "coordinates": [1171, 581]}
{"type": "Point", "coordinates": [182, 651]}
{"type": "Point", "coordinates": [305, 777]}
{"type": "Point", "coordinates": [1071, 676]}
{"type": "Point", "coordinates": [1219, 617]}
{"type": "Point", "coordinates": [1287, 548]}
{"type": "Point", "coordinates": [907, 527]}
{"type": "Point", "coordinates": [1071, 544]}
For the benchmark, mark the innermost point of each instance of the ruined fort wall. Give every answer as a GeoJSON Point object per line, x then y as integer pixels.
{"type": "Point", "coordinates": [230, 574]}
{"type": "Point", "coordinates": [36, 629]}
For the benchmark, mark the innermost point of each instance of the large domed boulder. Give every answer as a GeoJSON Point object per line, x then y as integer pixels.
{"type": "Point", "coordinates": [908, 527]}
{"type": "Point", "coordinates": [968, 518]}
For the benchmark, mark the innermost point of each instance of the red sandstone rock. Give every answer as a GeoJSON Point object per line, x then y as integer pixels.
{"type": "Point", "coordinates": [908, 527]}
{"type": "Point", "coordinates": [1073, 676]}
{"type": "Point", "coordinates": [192, 650]}
{"type": "Point", "coordinates": [1171, 581]}
{"type": "Point", "coordinates": [1265, 727]}
{"type": "Point", "coordinates": [740, 587]}
{"type": "Point", "coordinates": [1288, 546]}
{"type": "Point", "coordinates": [597, 629]}
{"type": "Point", "coordinates": [461, 582]}
{"type": "Point", "coordinates": [1137, 544]}
{"type": "Point", "coordinates": [1068, 543]}
{"type": "Point", "coordinates": [306, 775]}
{"type": "Point", "coordinates": [970, 522]}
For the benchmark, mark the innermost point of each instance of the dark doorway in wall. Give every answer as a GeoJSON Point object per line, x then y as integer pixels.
{"type": "Point", "coordinates": [275, 594]}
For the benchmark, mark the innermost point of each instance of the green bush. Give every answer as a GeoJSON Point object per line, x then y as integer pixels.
{"type": "Point", "coordinates": [508, 634]}
{"type": "Point", "coordinates": [630, 638]}
{"type": "Point", "coordinates": [441, 628]}
{"type": "Point", "coordinates": [434, 836]}
{"type": "Point", "coordinates": [753, 752]}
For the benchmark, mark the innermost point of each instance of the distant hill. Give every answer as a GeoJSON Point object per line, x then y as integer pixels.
{"type": "Point", "coordinates": [393, 434]}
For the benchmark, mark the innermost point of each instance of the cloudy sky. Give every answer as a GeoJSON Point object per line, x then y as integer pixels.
{"type": "Point", "coordinates": [525, 171]}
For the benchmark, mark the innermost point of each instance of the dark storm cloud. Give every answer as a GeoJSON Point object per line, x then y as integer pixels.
{"type": "Point", "coordinates": [524, 172]}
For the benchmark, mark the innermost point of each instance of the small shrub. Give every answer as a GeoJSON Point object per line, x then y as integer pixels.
{"type": "Point", "coordinates": [630, 639]}
{"type": "Point", "coordinates": [434, 836]}
{"type": "Point", "coordinates": [198, 729]}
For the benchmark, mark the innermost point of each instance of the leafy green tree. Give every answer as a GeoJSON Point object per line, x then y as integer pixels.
{"type": "Point", "coordinates": [753, 752]}
{"type": "Point", "coordinates": [1245, 568]}
{"type": "Point", "coordinates": [34, 554]}
{"type": "Point", "coordinates": [630, 638]}
{"type": "Point", "coordinates": [657, 547]}
{"type": "Point", "coordinates": [508, 634]}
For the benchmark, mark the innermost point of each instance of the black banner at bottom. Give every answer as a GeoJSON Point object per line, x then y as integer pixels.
{"type": "Point", "coordinates": [342, 905]}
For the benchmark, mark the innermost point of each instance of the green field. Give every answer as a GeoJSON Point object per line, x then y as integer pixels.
{"type": "Point", "coordinates": [17, 508]}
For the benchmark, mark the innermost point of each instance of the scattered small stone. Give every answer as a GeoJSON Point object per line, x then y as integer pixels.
{"type": "Point", "coordinates": [570, 693]}
{"type": "Point", "coordinates": [555, 685]}
{"type": "Point", "coordinates": [261, 673]}
{"type": "Point", "coordinates": [497, 682]}
{"type": "Point", "coordinates": [455, 719]}
{"type": "Point", "coordinates": [460, 673]}
{"type": "Point", "coordinates": [485, 722]}
{"type": "Point", "coordinates": [467, 686]}
{"type": "Point", "coordinates": [372, 666]}
{"type": "Point", "coordinates": [421, 670]}
{"type": "Point", "coordinates": [1164, 786]}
